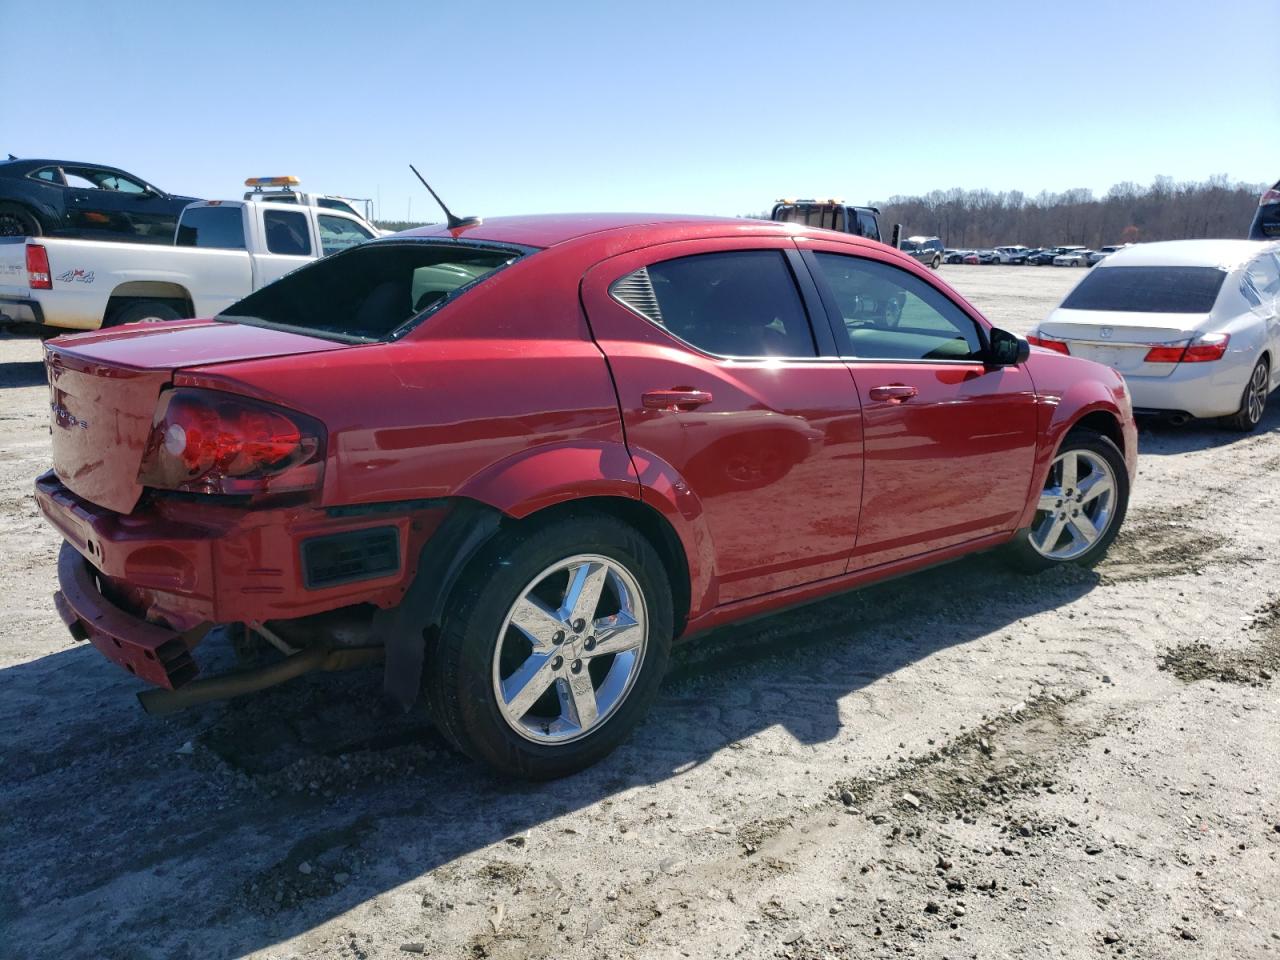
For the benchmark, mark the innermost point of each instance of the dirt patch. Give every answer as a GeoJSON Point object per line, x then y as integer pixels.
{"type": "Point", "coordinates": [316, 866]}
{"type": "Point", "coordinates": [1002, 759]}
{"type": "Point", "coordinates": [1255, 664]}
{"type": "Point", "coordinates": [1155, 544]}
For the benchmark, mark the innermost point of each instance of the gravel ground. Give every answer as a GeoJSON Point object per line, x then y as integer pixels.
{"type": "Point", "coordinates": [960, 764]}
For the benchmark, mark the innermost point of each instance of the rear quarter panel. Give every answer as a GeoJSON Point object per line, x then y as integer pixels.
{"type": "Point", "coordinates": [501, 397]}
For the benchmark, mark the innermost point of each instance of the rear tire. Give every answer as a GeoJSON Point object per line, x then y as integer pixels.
{"type": "Point", "coordinates": [937, 262]}
{"type": "Point", "coordinates": [18, 221]}
{"type": "Point", "coordinates": [144, 311]}
{"type": "Point", "coordinates": [1073, 509]}
{"type": "Point", "coordinates": [1253, 401]}
{"type": "Point", "coordinates": [590, 700]}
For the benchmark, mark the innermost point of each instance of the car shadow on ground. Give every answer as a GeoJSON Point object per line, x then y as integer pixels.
{"type": "Point", "coordinates": [164, 830]}
{"type": "Point", "coordinates": [23, 374]}
{"type": "Point", "coordinates": [1159, 437]}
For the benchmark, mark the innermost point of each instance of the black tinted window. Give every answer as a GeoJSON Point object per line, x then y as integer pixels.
{"type": "Point", "coordinates": [867, 226]}
{"type": "Point", "coordinates": [218, 227]}
{"type": "Point", "coordinates": [287, 233]}
{"type": "Point", "coordinates": [1147, 290]}
{"type": "Point", "coordinates": [890, 314]}
{"type": "Point", "coordinates": [738, 304]}
{"type": "Point", "coordinates": [368, 291]}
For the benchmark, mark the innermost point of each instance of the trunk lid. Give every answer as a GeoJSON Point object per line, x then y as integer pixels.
{"type": "Point", "coordinates": [104, 387]}
{"type": "Point", "coordinates": [1121, 340]}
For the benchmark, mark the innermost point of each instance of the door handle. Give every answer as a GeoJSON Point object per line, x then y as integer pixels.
{"type": "Point", "coordinates": [894, 392]}
{"type": "Point", "coordinates": [678, 398]}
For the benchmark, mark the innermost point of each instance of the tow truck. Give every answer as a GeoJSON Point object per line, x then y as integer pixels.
{"type": "Point", "coordinates": [283, 190]}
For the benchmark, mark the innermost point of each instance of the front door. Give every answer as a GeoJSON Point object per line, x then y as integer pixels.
{"type": "Point", "coordinates": [949, 441]}
{"type": "Point", "coordinates": [722, 384]}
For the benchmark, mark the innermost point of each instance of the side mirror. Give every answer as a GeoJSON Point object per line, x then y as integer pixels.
{"type": "Point", "coordinates": [1006, 350]}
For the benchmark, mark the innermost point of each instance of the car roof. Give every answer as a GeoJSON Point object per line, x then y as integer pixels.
{"type": "Point", "coordinates": [547, 230]}
{"type": "Point", "coordinates": [1224, 254]}
{"type": "Point", "coordinates": [33, 163]}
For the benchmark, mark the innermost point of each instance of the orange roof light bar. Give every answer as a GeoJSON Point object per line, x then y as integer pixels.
{"type": "Point", "coordinates": [272, 182]}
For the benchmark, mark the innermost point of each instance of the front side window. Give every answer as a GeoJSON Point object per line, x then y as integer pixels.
{"type": "Point", "coordinates": [1147, 289]}
{"type": "Point", "coordinates": [219, 228]}
{"type": "Point", "coordinates": [369, 291]}
{"type": "Point", "coordinates": [339, 233]}
{"type": "Point", "coordinates": [287, 233]}
{"type": "Point", "coordinates": [890, 314]}
{"type": "Point", "coordinates": [741, 303]}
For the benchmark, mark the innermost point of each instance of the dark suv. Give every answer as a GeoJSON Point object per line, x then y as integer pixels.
{"type": "Point", "coordinates": [928, 250]}
{"type": "Point", "coordinates": [1266, 222]}
{"type": "Point", "coordinates": [830, 215]}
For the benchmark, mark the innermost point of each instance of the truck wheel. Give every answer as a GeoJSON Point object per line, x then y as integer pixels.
{"type": "Point", "coordinates": [1253, 401]}
{"type": "Point", "coordinates": [552, 646]}
{"type": "Point", "coordinates": [16, 221]}
{"type": "Point", "coordinates": [1080, 509]}
{"type": "Point", "coordinates": [144, 311]}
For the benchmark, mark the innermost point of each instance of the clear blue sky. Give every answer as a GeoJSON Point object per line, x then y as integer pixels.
{"type": "Point", "coordinates": [687, 106]}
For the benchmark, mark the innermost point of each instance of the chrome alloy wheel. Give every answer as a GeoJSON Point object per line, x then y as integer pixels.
{"type": "Point", "coordinates": [1076, 507]}
{"type": "Point", "coordinates": [1255, 394]}
{"type": "Point", "coordinates": [570, 649]}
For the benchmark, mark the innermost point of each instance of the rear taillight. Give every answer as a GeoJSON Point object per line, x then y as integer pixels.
{"type": "Point", "coordinates": [1165, 354]}
{"type": "Point", "coordinates": [1203, 349]}
{"type": "Point", "coordinates": [1209, 346]}
{"type": "Point", "coordinates": [1271, 196]}
{"type": "Point", "coordinates": [203, 441]}
{"type": "Point", "coordinates": [1048, 343]}
{"type": "Point", "coordinates": [38, 267]}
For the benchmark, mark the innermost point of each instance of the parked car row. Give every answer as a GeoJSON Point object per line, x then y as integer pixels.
{"type": "Point", "coordinates": [1063, 256]}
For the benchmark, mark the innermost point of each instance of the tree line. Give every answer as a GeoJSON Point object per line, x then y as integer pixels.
{"type": "Point", "coordinates": [1128, 213]}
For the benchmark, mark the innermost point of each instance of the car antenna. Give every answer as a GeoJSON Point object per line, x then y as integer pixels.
{"type": "Point", "coordinates": [453, 221]}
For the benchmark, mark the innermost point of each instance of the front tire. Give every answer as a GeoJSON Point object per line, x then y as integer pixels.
{"type": "Point", "coordinates": [1253, 401]}
{"type": "Point", "coordinates": [1080, 509]}
{"type": "Point", "coordinates": [937, 262]}
{"type": "Point", "coordinates": [552, 647]}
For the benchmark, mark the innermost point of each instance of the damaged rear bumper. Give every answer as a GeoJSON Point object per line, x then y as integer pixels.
{"type": "Point", "coordinates": [151, 652]}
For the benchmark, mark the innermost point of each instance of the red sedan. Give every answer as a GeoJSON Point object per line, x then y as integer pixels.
{"type": "Point", "coordinates": [517, 459]}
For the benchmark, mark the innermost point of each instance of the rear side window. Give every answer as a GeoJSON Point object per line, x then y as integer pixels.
{"type": "Point", "coordinates": [890, 314]}
{"type": "Point", "coordinates": [1147, 290]}
{"type": "Point", "coordinates": [367, 292]}
{"type": "Point", "coordinates": [287, 233]}
{"type": "Point", "coordinates": [1260, 284]}
{"type": "Point", "coordinates": [742, 303]}
{"type": "Point", "coordinates": [220, 228]}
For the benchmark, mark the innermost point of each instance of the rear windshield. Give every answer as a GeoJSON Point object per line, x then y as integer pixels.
{"type": "Point", "coordinates": [822, 215]}
{"type": "Point", "coordinates": [367, 292]}
{"type": "Point", "coordinates": [1147, 290]}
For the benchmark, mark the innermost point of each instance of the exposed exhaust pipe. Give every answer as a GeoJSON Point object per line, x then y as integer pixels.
{"type": "Point", "coordinates": [1178, 419]}
{"type": "Point", "coordinates": [228, 685]}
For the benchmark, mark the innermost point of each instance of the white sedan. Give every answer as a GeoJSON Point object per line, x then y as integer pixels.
{"type": "Point", "coordinates": [1193, 325]}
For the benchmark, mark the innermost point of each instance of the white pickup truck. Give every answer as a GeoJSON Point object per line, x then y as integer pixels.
{"type": "Point", "coordinates": [223, 250]}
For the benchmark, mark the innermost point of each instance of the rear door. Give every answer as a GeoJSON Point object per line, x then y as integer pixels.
{"type": "Point", "coordinates": [719, 376]}
{"type": "Point", "coordinates": [288, 242]}
{"type": "Point", "coordinates": [948, 442]}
